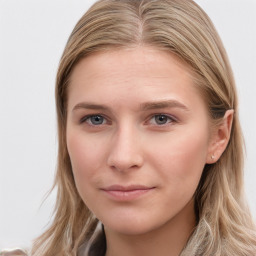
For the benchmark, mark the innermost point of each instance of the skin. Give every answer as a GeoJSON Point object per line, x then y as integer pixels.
{"type": "Point", "coordinates": [135, 118]}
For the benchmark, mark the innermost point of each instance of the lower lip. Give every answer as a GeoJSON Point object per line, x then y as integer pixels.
{"type": "Point", "coordinates": [127, 195]}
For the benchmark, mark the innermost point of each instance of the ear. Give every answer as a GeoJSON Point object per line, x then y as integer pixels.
{"type": "Point", "coordinates": [220, 138]}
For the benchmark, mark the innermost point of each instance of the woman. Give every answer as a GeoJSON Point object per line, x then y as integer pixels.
{"type": "Point", "coordinates": [150, 149]}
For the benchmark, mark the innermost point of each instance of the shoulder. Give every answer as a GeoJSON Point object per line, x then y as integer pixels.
{"type": "Point", "coordinates": [13, 252]}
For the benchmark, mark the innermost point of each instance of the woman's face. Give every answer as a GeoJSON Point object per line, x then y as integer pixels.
{"type": "Point", "coordinates": [138, 137]}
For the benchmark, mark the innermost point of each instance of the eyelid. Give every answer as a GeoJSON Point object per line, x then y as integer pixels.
{"type": "Point", "coordinates": [171, 117]}
{"type": "Point", "coordinates": [86, 117]}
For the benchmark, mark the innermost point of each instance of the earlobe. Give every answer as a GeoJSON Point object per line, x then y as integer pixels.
{"type": "Point", "coordinates": [220, 138]}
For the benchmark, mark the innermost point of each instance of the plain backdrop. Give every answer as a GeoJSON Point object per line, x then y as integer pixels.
{"type": "Point", "coordinates": [32, 37]}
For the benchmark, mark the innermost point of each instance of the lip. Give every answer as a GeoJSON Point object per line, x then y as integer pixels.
{"type": "Point", "coordinates": [126, 193]}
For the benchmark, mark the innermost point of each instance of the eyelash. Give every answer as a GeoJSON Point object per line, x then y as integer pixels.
{"type": "Point", "coordinates": [168, 117]}
{"type": "Point", "coordinates": [86, 119]}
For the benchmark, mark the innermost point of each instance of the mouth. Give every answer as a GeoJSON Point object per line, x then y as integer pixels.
{"type": "Point", "coordinates": [126, 193]}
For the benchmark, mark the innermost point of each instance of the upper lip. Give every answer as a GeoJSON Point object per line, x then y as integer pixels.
{"type": "Point", "coordinates": [126, 188]}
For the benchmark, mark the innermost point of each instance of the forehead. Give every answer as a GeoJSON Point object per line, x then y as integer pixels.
{"type": "Point", "coordinates": [130, 61]}
{"type": "Point", "coordinates": [138, 73]}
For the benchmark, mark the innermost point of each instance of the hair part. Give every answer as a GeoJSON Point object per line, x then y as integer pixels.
{"type": "Point", "coordinates": [181, 27]}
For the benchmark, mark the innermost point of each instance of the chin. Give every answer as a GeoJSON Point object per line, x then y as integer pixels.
{"type": "Point", "coordinates": [132, 225]}
{"type": "Point", "coordinates": [130, 229]}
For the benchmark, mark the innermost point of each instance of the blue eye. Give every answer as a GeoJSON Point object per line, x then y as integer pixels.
{"type": "Point", "coordinates": [94, 120]}
{"type": "Point", "coordinates": [161, 119]}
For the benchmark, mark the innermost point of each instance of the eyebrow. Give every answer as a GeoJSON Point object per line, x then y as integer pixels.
{"type": "Point", "coordinates": [163, 104]}
{"type": "Point", "coordinates": [144, 106]}
{"type": "Point", "coordinates": [90, 106]}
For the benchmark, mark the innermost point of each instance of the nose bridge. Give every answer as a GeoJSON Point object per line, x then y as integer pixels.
{"type": "Point", "coordinates": [125, 150]}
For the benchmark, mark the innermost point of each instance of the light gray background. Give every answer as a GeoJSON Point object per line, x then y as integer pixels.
{"type": "Point", "coordinates": [32, 37]}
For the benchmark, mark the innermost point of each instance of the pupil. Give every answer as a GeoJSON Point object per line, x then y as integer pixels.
{"type": "Point", "coordinates": [161, 119]}
{"type": "Point", "coordinates": [97, 120]}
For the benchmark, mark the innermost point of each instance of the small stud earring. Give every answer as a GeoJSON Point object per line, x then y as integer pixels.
{"type": "Point", "coordinates": [212, 157]}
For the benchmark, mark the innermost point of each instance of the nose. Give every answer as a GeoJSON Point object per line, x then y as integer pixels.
{"type": "Point", "coordinates": [125, 152]}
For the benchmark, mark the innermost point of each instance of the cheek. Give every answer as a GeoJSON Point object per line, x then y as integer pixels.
{"type": "Point", "coordinates": [190, 151]}
{"type": "Point", "coordinates": [181, 160]}
{"type": "Point", "coordinates": [85, 157]}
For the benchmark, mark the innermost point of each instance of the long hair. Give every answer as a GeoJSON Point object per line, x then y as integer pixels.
{"type": "Point", "coordinates": [224, 224]}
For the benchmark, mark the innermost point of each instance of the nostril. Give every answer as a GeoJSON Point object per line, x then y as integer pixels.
{"type": "Point", "coordinates": [125, 163]}
{"type": "Point", "coordinates": [124, 169]}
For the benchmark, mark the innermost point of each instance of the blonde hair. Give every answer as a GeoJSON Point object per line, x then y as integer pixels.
{"type": "Point", "coordinates": [225, 227]}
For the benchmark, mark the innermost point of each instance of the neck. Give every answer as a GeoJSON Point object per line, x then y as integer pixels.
{"type": "Point", "coordinates": [167, 240]}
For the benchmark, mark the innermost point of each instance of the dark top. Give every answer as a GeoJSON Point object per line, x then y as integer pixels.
{"type": "Point", "coordinates": [97, 247]}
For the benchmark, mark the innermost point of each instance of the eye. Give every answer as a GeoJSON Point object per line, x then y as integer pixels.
{"type": "Point", "coordinates": [161, 119]}
{"type": "Point", "coordinates": [94, 120]}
